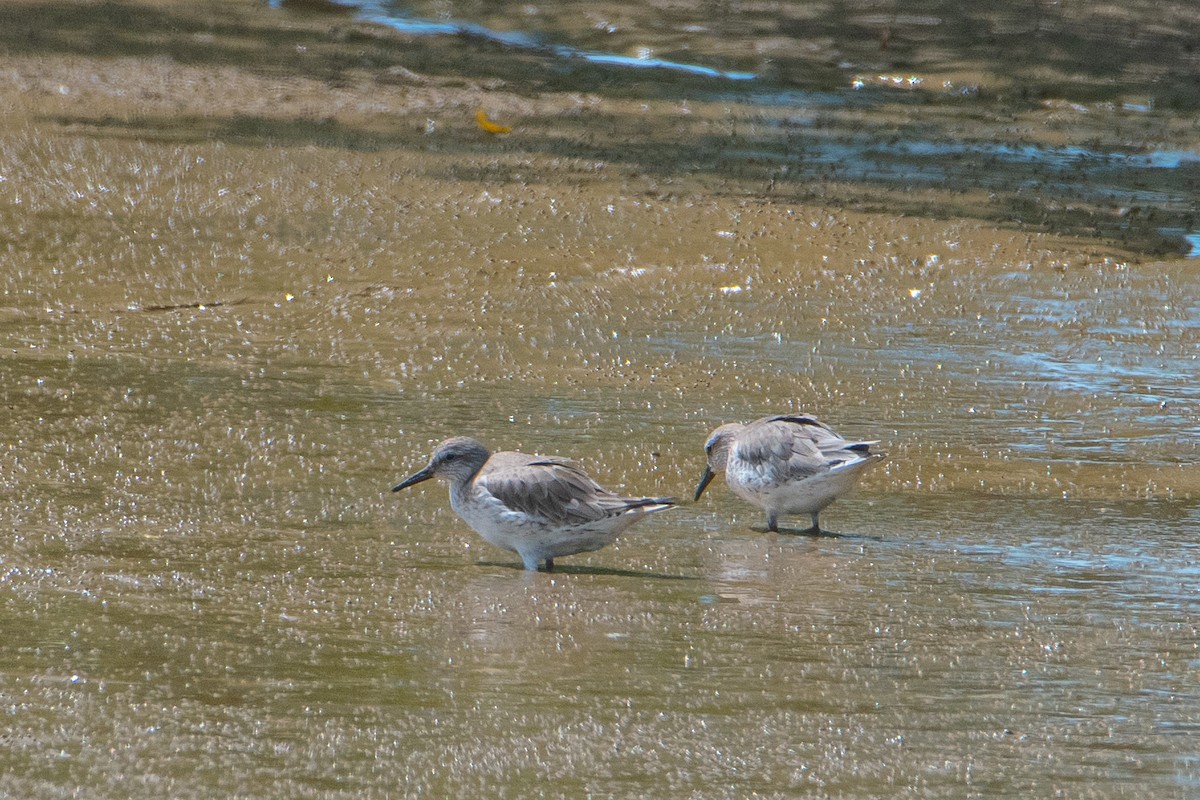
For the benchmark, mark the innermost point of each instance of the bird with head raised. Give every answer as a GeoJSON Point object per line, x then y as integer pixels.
{"type": "Point", "coordinates": [788, 464]}
{"type": "Point", "coordinates": [538, 507]}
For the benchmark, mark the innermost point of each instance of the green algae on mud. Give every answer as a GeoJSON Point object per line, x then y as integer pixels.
{"type": "Point", "coordinates": [179, 74]}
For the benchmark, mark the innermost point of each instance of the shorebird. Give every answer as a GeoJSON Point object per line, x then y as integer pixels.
{"type": "Point", "coordinates": [535, 506]}
{"type": "Point", "coordinates": [790, 464]}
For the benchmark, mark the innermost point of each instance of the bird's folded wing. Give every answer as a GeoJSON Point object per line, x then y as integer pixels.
{"type": "Point", "coordinates": [552, 491]}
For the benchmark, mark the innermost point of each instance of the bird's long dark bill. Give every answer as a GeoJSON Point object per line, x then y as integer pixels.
{"type": "Point", "coordinates": [423, 475]}
{"type": "Point", "coordinates": [707, 479]}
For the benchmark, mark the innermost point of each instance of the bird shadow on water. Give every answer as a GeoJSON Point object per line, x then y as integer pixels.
{"type": "Point", "coordinates": [810, 533]}
{"type": "Point", "coordinates": [570, 569]}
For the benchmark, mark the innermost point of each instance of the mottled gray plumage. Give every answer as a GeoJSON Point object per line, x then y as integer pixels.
{"type": "Point", "coordinates": [788, 464]}
{"type": "Point", "coordinates": [536, 506]}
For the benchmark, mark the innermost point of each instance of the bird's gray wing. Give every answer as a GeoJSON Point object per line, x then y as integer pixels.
{"type": "Point", "coordinates": [831, 445]}
{"type": "Point", "coordinates": [779, 450]}
{"type": "Point", "coordinates": [551, 490]}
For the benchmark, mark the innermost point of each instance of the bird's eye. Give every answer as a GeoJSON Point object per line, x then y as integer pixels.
{"type": "Point", "coordinates": [450, 457]}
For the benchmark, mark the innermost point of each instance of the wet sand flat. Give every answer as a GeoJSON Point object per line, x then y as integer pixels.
{"type": "Point", "coordinates": [256, 260]}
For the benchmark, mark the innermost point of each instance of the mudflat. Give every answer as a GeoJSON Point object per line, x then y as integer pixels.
{"type": "Point", "coordinates": [255, 260]}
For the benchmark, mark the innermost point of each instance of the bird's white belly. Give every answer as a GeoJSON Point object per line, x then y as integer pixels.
{"type": "Point", "coordinates": [793, 496]}
{"type": "Point", "coordinates": [520, 533]}
{"type": "Point", "coordinates": [492, 520]}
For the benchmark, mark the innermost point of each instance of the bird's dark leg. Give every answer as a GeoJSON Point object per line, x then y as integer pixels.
{"type": "Point", "coordinates": [772, 522]}
{"type": "Point", "coordinates": [549, 565]}
{"type": "Point", "coordinates": [816, 528]}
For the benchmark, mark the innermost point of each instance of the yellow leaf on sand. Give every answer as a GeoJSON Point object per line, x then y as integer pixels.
{"type": "Point", "coordinates": [481, 118]}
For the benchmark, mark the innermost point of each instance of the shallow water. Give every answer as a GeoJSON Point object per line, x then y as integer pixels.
{"type": "Point", "coordinates": [229, 326]}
